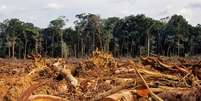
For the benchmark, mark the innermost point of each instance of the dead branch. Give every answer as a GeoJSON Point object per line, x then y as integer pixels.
{"type": "Point", "coordinates": [114, 90]}
{"type": "Point", "coordinates": [188, 94]}
{"type": "Point", "coordinates": [45, 98]}
{"type": "Point", "coordinates": [28, 92]}
{"type": "Point", "coordinates": [151, 93]}
{"type": "Point", "coordinates": [157, 74]}
{"type": "Point", "coordinates": [66, 71]}
{"type": "Point", "coordinates": [170, 67]}
{"type": "Point", "coordinates": [123, 95]}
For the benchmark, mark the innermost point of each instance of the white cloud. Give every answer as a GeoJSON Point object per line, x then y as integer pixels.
{"type": "Point", "coordinates": [166, 10]}
{"type": "Point", "coordinates": [195, 5]}
{"type": "Point", "coordinates": [54, 6]}
{"type": "Point", "coordinates": [41, 15]}
{"type": "Point", "coordinates": [2, 7]}
{"type": "Point", "coordinates": [186, 12]}
{"type": "Point", "coordinates": [33, 18]}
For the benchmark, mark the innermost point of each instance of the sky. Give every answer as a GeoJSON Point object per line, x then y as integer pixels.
{"type": "Point", "coordinates": [41, 12]}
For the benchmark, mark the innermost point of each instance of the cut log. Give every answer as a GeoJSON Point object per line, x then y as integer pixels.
{"type": "Point", "coordinates": [67, 71]}
{"type": "Point", "coordinates": [155, 97]}
{"type": "Point", "coordinates": [129, 95]}
{"type": "Point", "coordinates": [193, 94]}
{"type": "Point", "coordinates": [123, 95]}
{"type": "Point", "coordinates": [45, 98]}
{"type": "Point", "coordinates": [157, 74]}
{"type": "Point", "coordinates": [27, 94]}
{"type": "Point", "coordinates": [196, 70]}
{"type": "Point", "coordinates": [170, 67]}
{"type": "Point", "coordinates": [70, 77]}
{"type": "Point", "coordinates": [114, 90]}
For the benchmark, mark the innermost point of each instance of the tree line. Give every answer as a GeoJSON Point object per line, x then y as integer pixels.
{"type": "Point", "coordinates": [128, 36]}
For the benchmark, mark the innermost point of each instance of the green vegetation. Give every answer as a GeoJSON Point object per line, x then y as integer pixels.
{"type": "Point", "coordinates": [128, 36]}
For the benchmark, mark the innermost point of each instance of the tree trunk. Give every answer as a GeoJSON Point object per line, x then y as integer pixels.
{"type": "Point", "coordinates": [148, 44]}
{"type": "Point", "coordinates": [52, 46]}
{"type": "Point", "coordinates": [9, 53]}
{"type": "Point", "coordinates": [36, 46]}
{"type": "Point", "coordinates": [93, 42]}
{"type": "Point", "coordinates": [168, 51]}
{"type": "Point", "coordinates": [62, 49]}
{"type": "Point", "coordinates": [46, 48]}
{"type": "Point", "coordinates": [13, 50]}
{"type": "Point", "coordinates": [19, 52]}
{"type": "Point", "coordinates": [82, 48]}
{"type": "Point", "coordinates": [25, 49]}
{"type": "Point", "coordinates": [75, 52]}
{"type": "Point", "coordinates": [178, 43]}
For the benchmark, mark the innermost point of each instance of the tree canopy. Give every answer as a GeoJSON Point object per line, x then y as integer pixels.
{"type": "Point", "coordinates": [132, 36]}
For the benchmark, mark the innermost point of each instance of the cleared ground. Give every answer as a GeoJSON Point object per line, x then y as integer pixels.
{"type": "Point", "coordinates": [101, 77]}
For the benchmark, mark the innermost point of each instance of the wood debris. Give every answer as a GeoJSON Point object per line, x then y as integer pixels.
{"type": "Point", "coordinates": [101, 77]}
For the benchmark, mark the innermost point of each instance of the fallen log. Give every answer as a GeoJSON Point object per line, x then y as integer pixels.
{"type": "Point", "coordinates": [66, 71]}
{"type": "Point", "coordinates": [114, 90]}
{"type": "Point", "coordinates": [123, 95]}
{"type": "Point", "coordinates": [45, 98]}
{"type": "Point", "coordinates": [196, 70]}
{"type": "Point", "coordinates": [129, 94]}
{"type": "Point", "coordinates": [155, 61]}
{"type": "Point", "coordinates": [155, 97]}
{"type": "Point", "coordinates": [27, 94]}
{"type": "Point", "coordinates": [192, 94]}
{"type": "Point", "coordinates": [170, 67]}
{"type": "Point", "coordinates": [173, 67]}
{"type": "Point", "coordinates": [157, 74]}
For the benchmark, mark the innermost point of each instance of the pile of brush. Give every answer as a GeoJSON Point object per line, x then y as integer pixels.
{"type": "Point", "coordinates": [104, 78]}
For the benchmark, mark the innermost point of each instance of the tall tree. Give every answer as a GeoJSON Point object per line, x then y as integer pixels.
{"type": "Point", "coordinates": [107, 29]}
{"type": "Point", "coordinates": [71, 39]}
{"type": "Point", "coordinates": [57, 25]}
{"type": "Point", "coordinates": [177, 34]}
{"type": "Point", "coordinates": [13, 30]}
{"type": "Point", "coordinates": [131, 33]}
{"type": "Point", "coordinates": [89, 27]}
{"type": "Point", "coordinates": [30, 38]}
{"type": "Point", "coordinates": [55, 28]}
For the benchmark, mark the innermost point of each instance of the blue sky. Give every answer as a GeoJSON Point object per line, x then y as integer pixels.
{"type": "Point", "coordinates": [40, 12]}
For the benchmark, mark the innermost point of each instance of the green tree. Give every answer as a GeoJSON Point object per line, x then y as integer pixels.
{"type": "Point", "coordinates": [176, 34]}
{"type": "Point", "coordinates": [131, 33]}
{"type": "Point", "coordinates": [13, 30]}
{"type": "Point", "coordinates": [89, 27]}
{"type": "Point", "coordinates": [71, 39]}
{"type": "Point", "coordinates": [30, 38]}
{"type": "Point", "coordinates": [107, 29]}
{"type": "Point", "coordinates": [57, 25]}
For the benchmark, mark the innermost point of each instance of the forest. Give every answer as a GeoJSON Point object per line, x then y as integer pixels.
{"type": "Point", "coordinates": [130, 36]}
{"type": "Point", "coordinates": [133, 58]}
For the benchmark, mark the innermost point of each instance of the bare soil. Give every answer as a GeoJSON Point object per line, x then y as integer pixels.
{"type": "Point", "coordinates": [102, 77]}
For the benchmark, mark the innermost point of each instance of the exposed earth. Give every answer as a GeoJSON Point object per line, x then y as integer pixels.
{"type": "Point", "coordinates": [101, 77]}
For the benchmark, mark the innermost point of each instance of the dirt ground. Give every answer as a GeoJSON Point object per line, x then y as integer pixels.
{"type": "Point", "coordinates": [101, 77]}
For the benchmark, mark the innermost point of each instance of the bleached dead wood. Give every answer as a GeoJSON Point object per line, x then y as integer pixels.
{"type": "Point", "coordinates": [27, 94]}
{"type": "Point", "coordinates": [128, 94]}
{"type": "Point", "coordinates": [151, 92]}
{"type": "Point", "coordinates": [123, 95]}
{"type": "Point", "coordinates": [113, 90]}
{"type": "Point", "coordinates": [45, 98]}
{"type": "Point", "coordinates": [170, 67]}
{"type": "Point", "coordinates": [157, 74]}
{"type": "Point", "coordinates": [173, 67]}
{"type": "Point", "coordinates": [62, 68]}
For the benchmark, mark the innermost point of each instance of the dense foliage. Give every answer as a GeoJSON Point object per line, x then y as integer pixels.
{"type": "Point", "coordinates": [128, 36]}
